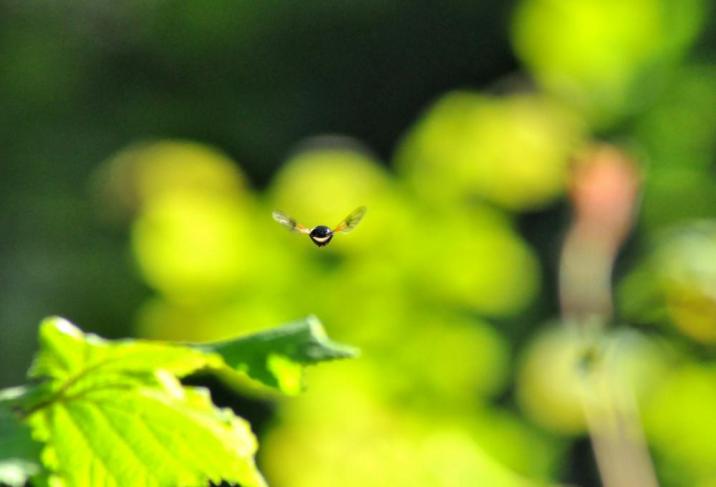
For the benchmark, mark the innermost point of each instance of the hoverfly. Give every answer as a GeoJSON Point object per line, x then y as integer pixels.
{"type": "Point", "coordinates": [321, 234]}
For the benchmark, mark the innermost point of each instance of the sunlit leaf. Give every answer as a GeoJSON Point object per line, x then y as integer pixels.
{"type": "Point", "coordinates": [275, 357]}
{"type": "Point", "coordinates": [68, 354]}
{"type": "Point", "coordinates": [145, 434]}
{"type": "Point", "coordinates": [116, 414]}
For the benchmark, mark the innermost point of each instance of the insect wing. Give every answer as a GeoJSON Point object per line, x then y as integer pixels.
{"type": "Point", "coordinates": [289, 222]}
{"type": "Point", "coordinates": [350, 222]}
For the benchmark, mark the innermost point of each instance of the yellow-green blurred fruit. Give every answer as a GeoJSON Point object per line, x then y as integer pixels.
{"type": "Point", "coordinates": [144, 172]}
{"type": "Point", "coordinates": [364, 301]}
{"type": "Point", "coordinates": [561, 369]}
{"type": "Point", "coordinates": [159, 319]}
{"type": "Point", "coordinates": [676, 283]}
{"type": "Point", "coordinates": [448, 361]}
{"type": "Point", "coordinates": [321, 186]}
{"type": "Point", "coordinates": [337, 432]}
{"type": "Point", "coordinates": [248, 312]}
{"type": "Point", "coordinates": [549, 383]}
{"type": "Point", "coordinates": [193, 246]}
{"type": "Point", "coordinates": [473, 259]}
{"type": "Point", "coordinates": [513, 151]}
{"type": "Point", "coordinates": [341, 433]}
{"type": "Point", "coordinates": [452, 457]}
{"type": "Point", "coordinates": [685, 266]}
{"type": "Point", "coordinates": [680, 425]}
{"type": "Point", "coordinates": [593, 50]}
{"type": "Point", "coordinates": [522, 447]}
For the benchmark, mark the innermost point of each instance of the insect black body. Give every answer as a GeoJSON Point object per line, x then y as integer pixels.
{"type": "Point", "coordinates": [321, 235]}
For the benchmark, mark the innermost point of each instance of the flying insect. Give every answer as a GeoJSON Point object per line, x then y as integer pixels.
{"type": "Point", "coordinates": [321, 234]}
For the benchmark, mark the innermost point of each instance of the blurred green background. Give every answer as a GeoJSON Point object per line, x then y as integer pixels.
{"type": "Point", "coordinates": [144, 144]}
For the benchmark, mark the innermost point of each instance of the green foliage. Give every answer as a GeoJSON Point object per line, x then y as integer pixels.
{"type": "Point", "coordinates": [275, 357]}
{"type": "Point", "coordinates": [115, 412]}
{"type": "Point", "coordinates": [450, 284]}
{"type": "Point", "coordinates": [19, 454]}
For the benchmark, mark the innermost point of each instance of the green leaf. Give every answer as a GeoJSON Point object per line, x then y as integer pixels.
{"type": "Point", "coordinates": [150, 436]}
{"type": "Point", "coordinates": [115, 414]}
{"type": "Point", "coordinates": [19, 453]}
{"type": "Point", "coordinates": [276, 357]}
{"type": "Point", "coordinates": [68, 354]}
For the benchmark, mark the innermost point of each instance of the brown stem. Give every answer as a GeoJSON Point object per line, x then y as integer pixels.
{"type": "Point", "coordinates": [604, 195]}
